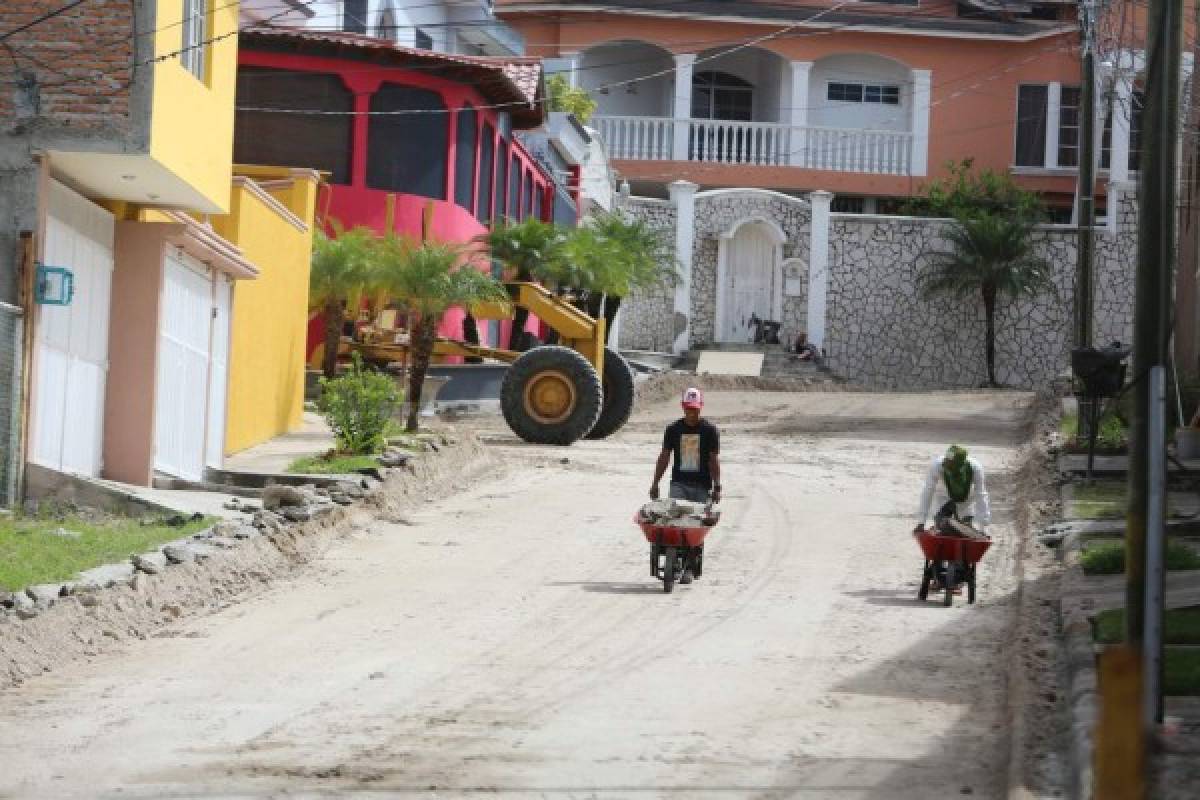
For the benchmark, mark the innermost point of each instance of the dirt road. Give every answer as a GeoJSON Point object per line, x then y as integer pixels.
{"type": "Point", "coordinates": [511, 639]}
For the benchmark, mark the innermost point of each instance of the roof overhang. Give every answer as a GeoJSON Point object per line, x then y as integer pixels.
{"type": "Point", "coordinates": [898, 23]}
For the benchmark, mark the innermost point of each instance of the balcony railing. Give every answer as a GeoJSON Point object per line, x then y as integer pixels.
{"type": "Point", "coordinates": [766, 144]}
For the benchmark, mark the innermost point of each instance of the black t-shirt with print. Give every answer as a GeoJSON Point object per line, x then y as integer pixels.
{"type": "Point", "coordinates": [691, 447]}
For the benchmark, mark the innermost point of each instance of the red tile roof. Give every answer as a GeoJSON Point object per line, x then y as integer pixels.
{"type": "Point", "coordinates": [513, 84]}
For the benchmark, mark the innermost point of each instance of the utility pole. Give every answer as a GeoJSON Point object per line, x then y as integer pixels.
{"type": "Point", "coordinates": [1157, 215]}
{"type": "Point", "coordinates": [1086, 189]}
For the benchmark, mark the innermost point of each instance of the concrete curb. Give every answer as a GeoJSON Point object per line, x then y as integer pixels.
{"type": "Point", "coordinates": [1082, 676]}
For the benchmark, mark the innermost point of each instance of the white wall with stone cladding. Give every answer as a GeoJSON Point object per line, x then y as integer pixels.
{"type": "Point", "coordinates": [717, 212]}
{"type": "Point", "coordinates": [646, 317]}
{"type": "Point", "coordinates": [883, 332]}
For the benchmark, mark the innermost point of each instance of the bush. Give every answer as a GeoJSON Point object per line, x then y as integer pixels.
{"type": "Point", "coordinates": [1109, 558]}
{"type": "Point", "coordinates": [358, 406]}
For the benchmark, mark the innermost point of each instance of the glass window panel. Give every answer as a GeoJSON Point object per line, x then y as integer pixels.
{"type": "Point", "coordinates": [1031, 126]}
{"type": "Point", "coordinates": [317, 141]}
{"type": "Point", "coordinates": [407, 152]}
{"type": "Point", "coordinates": [465, 150]}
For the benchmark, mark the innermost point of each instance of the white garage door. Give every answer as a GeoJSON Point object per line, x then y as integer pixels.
{"type": "Point", "coordinates": [71, 342]}
{"type": "Point", "coordinates": [181, 400]}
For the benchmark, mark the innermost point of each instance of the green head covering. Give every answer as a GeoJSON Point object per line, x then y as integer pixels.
{"type": "Point", "coordinates": [957, 473]}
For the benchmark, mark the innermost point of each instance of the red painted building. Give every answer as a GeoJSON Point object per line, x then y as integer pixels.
{"type": "Point", "coordinates": [419, 140]}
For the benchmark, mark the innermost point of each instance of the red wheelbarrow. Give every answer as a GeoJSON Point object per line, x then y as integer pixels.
{"type": "Point", "coordinates": [674, 548]}
{"type": "Point", "coordinates": [957, 555]}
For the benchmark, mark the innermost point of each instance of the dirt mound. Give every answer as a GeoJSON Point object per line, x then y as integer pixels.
{"type": "Point", "coordinates": [670, 385]}
{"type": "Point", "coordinates": [85, 625]}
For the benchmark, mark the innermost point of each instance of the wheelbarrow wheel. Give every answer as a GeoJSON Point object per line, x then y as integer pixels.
{"type": "Point", "coordinates": [926, 579]}
{"type": "Point", "coordinates": [668, 570]}
{"type": "Point", "coordinates": [655, 552]}
{"type": "Point", "coordinates": [948, 599]}
{"type": "Point", "coordinates": [971, 584]}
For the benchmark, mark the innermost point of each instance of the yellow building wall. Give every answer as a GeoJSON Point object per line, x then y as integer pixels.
{"type": "Point", "coordinates": [270, 314]}
{"type": "Point", "coordinates": [191, 129]}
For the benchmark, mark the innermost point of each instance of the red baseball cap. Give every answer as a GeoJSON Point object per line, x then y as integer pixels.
{"type": "Point", "coordinates": [693, 398]}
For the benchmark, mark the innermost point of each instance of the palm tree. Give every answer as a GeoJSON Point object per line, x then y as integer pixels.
{"type": "Point", "coordinates": [339, 273]}
{"type": "Point", "coordinates": [429, 280]}
{"type": "Point", "coordinates": [533, 250]}
{"type": "Point", "coordinates": [613, 256]}
{"type": "Point", "coordinates": [991, 254]}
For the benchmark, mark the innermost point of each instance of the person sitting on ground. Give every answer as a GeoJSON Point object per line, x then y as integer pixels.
{"type": "Point", "coordinates": [694, 444]}
{"type": "Point", "coordinates": [803, 348]}
{"type": "Point", "coordinates": [957, 481]}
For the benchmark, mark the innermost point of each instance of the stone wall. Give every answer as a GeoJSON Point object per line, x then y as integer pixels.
{"type": "Point", "coordinates": [718, 212]}
{"type": "Point", "coordinates": [882, 332]}
{"type": "Point", "coordinates": [646, 318]}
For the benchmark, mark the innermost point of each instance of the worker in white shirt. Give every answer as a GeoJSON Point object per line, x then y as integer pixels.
{"type": "Point", "coordinates": [956, 482]}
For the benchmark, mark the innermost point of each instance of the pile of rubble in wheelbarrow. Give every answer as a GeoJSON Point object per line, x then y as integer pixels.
{"type": "Point", "coordinates": [676, 514]}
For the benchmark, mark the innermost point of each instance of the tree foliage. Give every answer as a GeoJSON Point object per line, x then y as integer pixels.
{"type": "Point", "coordinates": [429, 279]}
{"type": "Point", "coordinates": [965, 193]}
{"type": "Point", "coordinates": [991, 254]}
{"type": "Point", "coordinates": [561, 96]}
{"type": "Point", "coordinates": [339, 274]}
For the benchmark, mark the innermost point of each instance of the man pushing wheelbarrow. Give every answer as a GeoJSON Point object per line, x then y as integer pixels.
{"type": "Point", "coordinates": [694, 444]}
{"type": "Point", "coordinates": [955, 484]}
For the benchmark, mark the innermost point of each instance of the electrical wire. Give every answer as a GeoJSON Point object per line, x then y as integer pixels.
{"type": "Point", "coordinates": [43, 18]}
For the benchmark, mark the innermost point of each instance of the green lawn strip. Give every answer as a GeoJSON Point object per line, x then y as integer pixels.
{"type": "Point", "coordinates": [1180, 626]}
{"type": "Point", "coordinates": [1108, 557]}
{"type": "Point", "coordinates": [1107, 500]}
{"type": "Point", "coordinates": [338, 465]}
{"type": "Point", "coordinates": [1112, 434]}
{"type": "Point", "coordinates": [30, 553]}
{"type": "Point", "coordinates": [1182, 670]}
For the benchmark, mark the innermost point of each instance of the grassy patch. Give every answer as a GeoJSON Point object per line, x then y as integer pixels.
{"type": "Point", "coordinates": [335, 465]}
{"type": "Point", "coordinates": [1113, 434]}
{"type": "Point", "coordinates": [31, 553]}
{"type": "Point", "coordinates": [1180, 626]}
{"type": "Point", "coordinates": [1182, 672]}
{"type": "Point", "coordinates": [1098, 501]}
{"type": "Point", "coordinates": [1109, 558]}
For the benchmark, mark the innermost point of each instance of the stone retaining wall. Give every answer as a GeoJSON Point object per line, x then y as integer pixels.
{"type": "Point", "coordinates": [879, 329]}
{"type": "Point", "coordinates": [882, 332]}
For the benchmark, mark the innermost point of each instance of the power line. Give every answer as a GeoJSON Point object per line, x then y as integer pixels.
{"type": "Point", "coordinates": [43, 18]}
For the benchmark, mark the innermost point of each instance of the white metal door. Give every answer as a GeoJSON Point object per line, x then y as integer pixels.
{"type": "Point", "coordinates": [219, 374]}
{"type": "Point", "coordinates": [71, 342]}
{"type": "Point", "coordinates": [750, 279]}
{"type": "Point", "coordinates": [181, 399]}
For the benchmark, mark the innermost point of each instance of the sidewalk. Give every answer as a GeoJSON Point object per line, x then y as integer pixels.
{"type": "Point", "coordinates": [312, 437]}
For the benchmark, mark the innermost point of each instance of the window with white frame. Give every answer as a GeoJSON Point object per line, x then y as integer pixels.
{"type": "Point", "coordinates": [195, 34]}
{"type": "Point", "coordinates": [1036, 117]}
{"type": "Point", "coordinates": [882, 94]}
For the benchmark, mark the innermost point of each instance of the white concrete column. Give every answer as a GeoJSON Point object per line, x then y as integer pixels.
{"type": "Point", "coordinates": [683, 104]}
{"type": "Point", "coordinates": [921, 107]}
{"type": "Point", "coordinates": [683, 196]}
{"type": "Point", "coordinates": [818, 266]}
{"type": "Point", "coordinates": [796, 101]}
{"type": "Point", "coordinates": [572, 63]}
{"type": "Point", "coordinates": [1053, 121]}
{"type": "Point", "coordinates": [1118, 163]}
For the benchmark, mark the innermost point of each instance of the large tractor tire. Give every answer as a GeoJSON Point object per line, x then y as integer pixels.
{"type": "Point", "coordinates": [551, 395]}
{"type": "Point", "coordinates": [618, 396]}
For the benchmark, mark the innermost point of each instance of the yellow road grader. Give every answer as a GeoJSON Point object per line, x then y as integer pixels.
{"type": "Point", "coordinates": [551, 394]}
